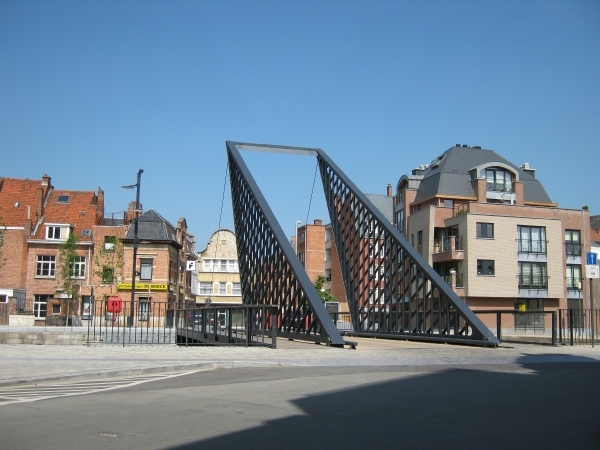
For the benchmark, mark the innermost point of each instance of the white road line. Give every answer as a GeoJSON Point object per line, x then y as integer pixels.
{"type": "Point", "coordinates": [23, 394]}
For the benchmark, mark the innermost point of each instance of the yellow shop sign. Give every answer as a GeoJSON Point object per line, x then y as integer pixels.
{"type": "Point", "coordinates": [143, 286]}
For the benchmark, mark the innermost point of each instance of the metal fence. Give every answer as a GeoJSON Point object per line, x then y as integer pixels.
{"type": "Point", "coordinates": [534, 327]}
{"type": "Point", "coordinates": [246, 325]}
{"type": "Point", "coordinates": [122, 323]}
{"type": "Point", "coordinates": [578, 326]}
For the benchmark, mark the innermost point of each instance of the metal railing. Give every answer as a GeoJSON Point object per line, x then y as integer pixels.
{"type": "Point", "coordinates": [533, 281]}
{"type": "Point", "coordinates": [573, 249]}
{"type": "Point", "coordinates": [445, 245]}
{"type": "Point", "coordinates": [114, 322]}
{"type": "Point", "coordinates": [578, 326]}
{"type": "Point", "coordinates": [245, 325]}
{"type": "Point", "coordinates": [574, 283]}
{"type": "Point", "coordinates": [533, 327]}
{"type": "Point", "coordinates": [531, 246]}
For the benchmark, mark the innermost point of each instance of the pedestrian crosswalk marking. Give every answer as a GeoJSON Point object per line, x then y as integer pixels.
{"type": "Point", "coordinates": [42, 391]}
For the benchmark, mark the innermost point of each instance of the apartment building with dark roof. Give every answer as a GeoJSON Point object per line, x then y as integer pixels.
{"type": "Point", "coordinates": [490, 229]}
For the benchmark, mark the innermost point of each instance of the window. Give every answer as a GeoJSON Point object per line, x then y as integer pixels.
{"type": "Point", "coordinates": [302, 237]}
{"type": "Point", "coordinates": [485, 230]}
{"type": "Point", "coordinates": [55, 309]}
{"type": "Point", "coordinates": [533, 275]}
{"type": "Point", "coordinates": [46, 266]}
{"type": "Point", "coordinates": [327, 234]}
{"type": "Point", "coordinates": [40, 304]}
{"type": "Point", "coordinates": [144, 309]}
{"type": "Point", "coordinates": [109, 243]}
{"type": "Point", "coordinates": [146, 269]}
{"type": "Point", "coordinates": [531, 239]}
{"type": "Point", "coordinates": [232, 265]}
{"type": "Point", "coordinates": [222, 288]}
{"type": "Point", "coordinates": [108, 275]}
{"type": "Point", "coordinates": [327, 254]}
{"type": "Point", "coordinates": [400, 220]}
{"type": "Point", "coordinates": [573, 277]}
{"type": "Point", "coordinates": [52, 232]}
{"type": "Point", "coordinates": [485, 267]}
{"type": "Point", "coordinates": [419, 238]}
{"type": "Point", "coordinates": [572, 242]}
{"type": "Point", "coordinates": [237, 289]}
{"type": "Point", "coordinates": [63, 199]}
{"type": "Point", "coordinates": [3, 298]}
{"type": "Point", "coordinates": [499, 180]}
{"type": "Point", "coordinates": [301, 256]}
{"type": "Point", "coordinates": [77, 269]}
{"type": "Point", "coordinates": [206, 288]}
{"type": "Point", "coordinates": [448, 203]}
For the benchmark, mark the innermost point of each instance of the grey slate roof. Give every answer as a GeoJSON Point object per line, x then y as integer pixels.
{"type": "Point", "coordinates": [451, 176]}
{"type": "Point", "coordinates": [153, 227]}
{"type": "Point", "coordinates": [384, 204]}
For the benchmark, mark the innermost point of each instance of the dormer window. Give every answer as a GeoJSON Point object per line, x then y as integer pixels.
{"type": "Point", "coordinates": [57, 232]}
{"type": "Point", "coordinates": [498, 180]}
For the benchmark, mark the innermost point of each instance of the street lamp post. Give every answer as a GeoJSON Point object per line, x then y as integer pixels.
{"type": "Point", "coordinates": [135, 242]}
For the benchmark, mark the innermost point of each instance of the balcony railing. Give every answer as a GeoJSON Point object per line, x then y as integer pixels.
{"type": "Point", "coordinates": [574, 283]}
{"type": "Point", "coordinates": [529, 246]}
{"type": "Point", "coordinates": [499, 187]}
{"type": "Point", "coordinates": [573, 249]}
{"type": "Point", "coordinates": [533, 281]}
{"type": "Point", "coordinates": [459, 280]}
{"type": "Point", "coordinates": [445, 245]}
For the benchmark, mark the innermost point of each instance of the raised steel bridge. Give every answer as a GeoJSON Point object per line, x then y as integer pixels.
{"type": "Point", "coordinates": [406, 299]}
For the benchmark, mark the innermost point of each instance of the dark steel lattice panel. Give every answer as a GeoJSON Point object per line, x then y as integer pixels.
{"type": "Point", "coordinates": [391, 289]}
{"type": "Point", "coordinates": [270, 272]}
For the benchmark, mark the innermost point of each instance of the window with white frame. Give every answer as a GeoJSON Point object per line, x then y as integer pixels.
{"type": "Point", "coordinates": [222, 288]}
{"type": "Point", "coordinates": [206, 288]}
{"type": "Point", "coordinates": [77, 269]}
{"type": "Point", "coordinates": [232, 265]}
{"type": "Point", "coordinates": [40, 304]}
{"type": "Point", "coordinates": [146, 268]}
{"type": "Point", "coordinates": [327, 254]}
{"type": "Point", "coordinates": [54, 232]}
{"type": "Point", "coordinates": [46, 266]}
{"type": "Point", "coordinates": [237, 289]}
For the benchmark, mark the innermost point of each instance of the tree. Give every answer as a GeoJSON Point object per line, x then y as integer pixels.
{"type": "Point", "coordinates": [69, 276]}
{"type": "Point", "coordinates": [108, 262]}
{"type": "Point", "coordinates": [324, 294]}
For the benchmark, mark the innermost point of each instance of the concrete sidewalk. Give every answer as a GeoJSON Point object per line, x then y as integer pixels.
{"type": "Point", "coordinates": [36, 363]}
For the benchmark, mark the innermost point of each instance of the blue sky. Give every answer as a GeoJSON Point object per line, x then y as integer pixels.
{"type": "Point", "coordinates": [91, 91]}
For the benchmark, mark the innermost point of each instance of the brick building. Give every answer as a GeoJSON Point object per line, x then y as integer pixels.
{"type": "Point", "coordinates": [489, 227]}
{"type": "Point", "coordinates": [37, 219]}
{"type": "Point", "coordinates": [317, 252]}
{"type": "Point", "coordinates": [218, 270]}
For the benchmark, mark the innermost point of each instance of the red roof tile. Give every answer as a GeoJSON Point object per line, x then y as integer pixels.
{"type": "Point", "coordinates": [15, 198]}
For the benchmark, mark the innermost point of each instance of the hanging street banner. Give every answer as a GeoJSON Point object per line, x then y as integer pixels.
{"type": "Point", "coordinates": [143, 286]}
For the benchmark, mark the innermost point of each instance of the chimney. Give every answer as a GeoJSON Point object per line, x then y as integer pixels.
{"type": "Point", "coordinates": [39, 201]}
{"type": "Point", "coordinates": [389, 190]}
{"type": "Point", "coordinates": [318, 221]}
{"type": "Point", "coordinates": [45, 180]}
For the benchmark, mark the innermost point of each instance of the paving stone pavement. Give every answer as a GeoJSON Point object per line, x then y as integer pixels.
{"type": "Point", "coordinates": [35, 363]}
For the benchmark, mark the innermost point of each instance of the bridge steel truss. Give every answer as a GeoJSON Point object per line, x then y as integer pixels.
{"type": "Point", "coordinates": [391, 290]}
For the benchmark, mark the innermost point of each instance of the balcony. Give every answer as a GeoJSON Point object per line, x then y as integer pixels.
{"type": "Point", "coordinates": [449, 249]}
{"type": "Point", "coordinates": [456, 282]}
{"type": "Point", "coordinates": [531, 246]}
{"type": "Point", "coordinates": [533, 282]}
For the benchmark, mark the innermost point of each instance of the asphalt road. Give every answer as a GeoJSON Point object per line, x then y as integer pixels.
{"type": "Point", "coordinates": [546, 406]}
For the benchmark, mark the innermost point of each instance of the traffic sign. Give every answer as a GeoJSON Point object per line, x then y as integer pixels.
{"type": "Point", "coordinates": [592, 258]}
{"type": "Point", "coordinates": [592, 271]}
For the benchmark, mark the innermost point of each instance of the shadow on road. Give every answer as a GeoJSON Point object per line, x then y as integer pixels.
{"type": "Point", "coordinates": [529, 406]}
